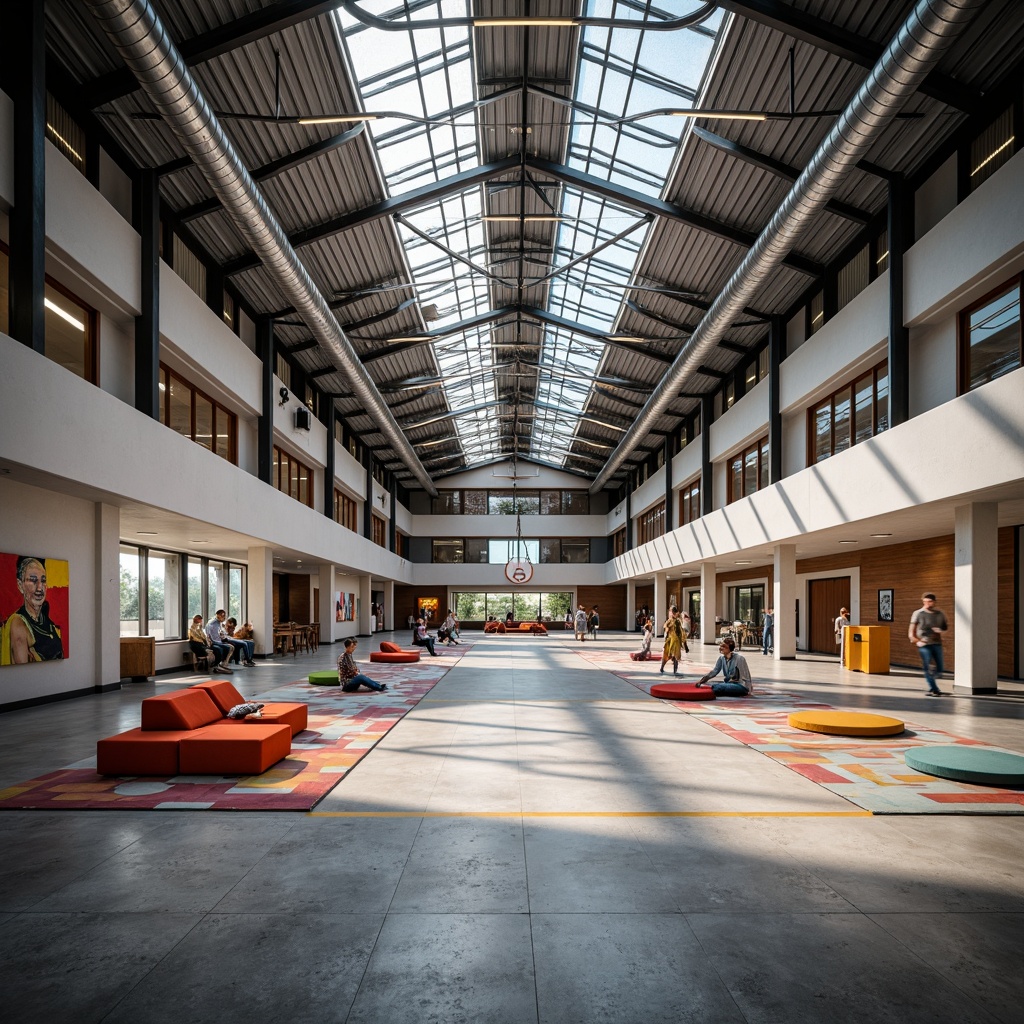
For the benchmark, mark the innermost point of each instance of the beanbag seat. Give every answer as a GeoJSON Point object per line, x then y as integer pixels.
{"type": "Point", "coordinates": [846, 723]}
{"type": "Point", "coordinates": [398, 657]}
{"type": "Point", "coordinates": [980, 765]}
{"type": "Point", "coordinates": [225, 696]}
{"type": "Point", "coordinates": [231, 750]}
{"type": "Point", "coordinates": [324, 678]}
{"type": "Point", "coordinates": [682, 691]}
{"type": "Point", "coordinates": [390, 648]}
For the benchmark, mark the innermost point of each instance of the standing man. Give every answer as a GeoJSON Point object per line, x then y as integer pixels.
{"type": "Point", "coordinates": [927, 625]}
{"type": "Point", "coordinates": [768, 631]}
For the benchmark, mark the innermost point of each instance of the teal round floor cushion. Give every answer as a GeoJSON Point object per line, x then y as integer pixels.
{"type": "Point", "coordinates": [324, 678]}
{"type": "Point", "coordinates": [982, 765]}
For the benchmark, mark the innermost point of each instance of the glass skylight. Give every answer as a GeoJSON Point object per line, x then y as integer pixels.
{"type": "Point", "coordinates": [431, 73]}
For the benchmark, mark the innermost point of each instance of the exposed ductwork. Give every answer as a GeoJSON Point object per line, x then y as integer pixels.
{"type": "Point", "coordinates": [915, 49]}
{"type": "Point", "coordinates": [140, 37]}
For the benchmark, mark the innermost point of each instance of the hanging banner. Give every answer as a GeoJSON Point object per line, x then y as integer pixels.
{"type": "Point", "coordinates": [518, 570]}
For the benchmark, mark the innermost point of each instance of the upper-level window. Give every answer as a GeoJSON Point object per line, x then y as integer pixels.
{"type": "Point", "coordinates": [990, 337]}
{"type": "Point", "coordinates": [852, 414]}
{"type": "Point", "coordinates": [651, 524]}
{"type": "Point", "coordinates": [401, 544]}
{"type": "Point", "coordinates": [345, 510]}
{"type": "Point", "coordinates": [65, 133]}
{"type": "Point", "coordinates": [816, 314]}
{"type": "Point", "coordinates": [504, 502]}
{"type": "Point", "coordinates": [882, 252]}
{"type": "Point", "coordinates": [619, 542]}
{"type": "Point", "coordinates": [283, 369]}
{"type": "Point", "coordinates": [992, 148]}
{"type": "Point", "coordinates": [854, 277]}
{"type": "Point", "coordinates": [484, 550]}
{"type": "Point", "coordinates": [748, 470]}
{"type": "Point", "coordinates": [69, 325]}
{"type": "Point", "coordinates": [195, 415]}
{"type": "Point", "coordinates": [689, 502]}
{"type": "Point", "coordinates": [379, 531]}
{"type": "Point", "coordinates": [293, 477]}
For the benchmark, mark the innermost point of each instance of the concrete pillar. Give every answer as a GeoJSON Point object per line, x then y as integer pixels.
{"type": "Point", "coordinates": [389, 604]}
{"type": "Point", "coordinates": [260, 579]}
{"type": "Point", "coordinates": [784, 601]}
{"type": "Point", "coordinates": [660, 610]}
{"type": "Point", "coordinates": [365, 593]}
{"type": "Point", "coordinates": [631, 606]}
{"type": "Point", "coordinates": [107, 599]}
{"type": "Point", "coordinates": [708, 599]}
{"type": "Point", "coordinates": [975, 611]}
{"type": "Point", "coordinates": [326, 612]}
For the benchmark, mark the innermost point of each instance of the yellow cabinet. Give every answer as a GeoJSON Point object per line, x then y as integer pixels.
{"type": "Point", "coordinates": [866, 649]}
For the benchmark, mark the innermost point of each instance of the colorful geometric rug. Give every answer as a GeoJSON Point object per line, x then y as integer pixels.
{"type": "Point", "coordinates": [343, 728]}
{"type": "Point", "coordinates": [869, 772]}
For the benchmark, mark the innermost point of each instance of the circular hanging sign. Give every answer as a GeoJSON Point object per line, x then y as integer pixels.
{"type": "Point", "coordinates": [519, 570]}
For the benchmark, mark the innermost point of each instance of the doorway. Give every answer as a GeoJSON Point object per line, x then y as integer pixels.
{"type": "Point", "coordinates": [825, 598]}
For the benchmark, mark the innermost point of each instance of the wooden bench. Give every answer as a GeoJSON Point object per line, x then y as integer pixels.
{"type": "Point", "coordinates": [198, 664]}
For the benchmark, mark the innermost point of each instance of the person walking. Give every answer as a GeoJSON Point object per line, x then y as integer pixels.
{"type": "Point", "coordinates": [580, 623]}
{"type": "Point", "coordinates": [687, 625]}
{"type": "Point", "coordinates": [768, 631]}
{"type": "Point", "coordinates": [673, 641]}
{"type": "Point", "coordinates": [594, 622]}
{"type": "Point", "coordinates": [842, 620]}
{"type": "Point", "coordinates": [927, 625]}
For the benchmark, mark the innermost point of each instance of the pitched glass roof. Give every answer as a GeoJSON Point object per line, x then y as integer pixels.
{"type": "Point", "coordinates": [431, 73]}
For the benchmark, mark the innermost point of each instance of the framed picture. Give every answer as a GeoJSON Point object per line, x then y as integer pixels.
{"type": "Point", "coordinates": [886, 604]}
{"type": "Point", "coordinates": [34, 607]}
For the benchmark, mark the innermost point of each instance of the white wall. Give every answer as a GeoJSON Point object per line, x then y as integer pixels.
{"type": "Point", "coordinates": [744, 423]}
{"type": "Point", "coordinates": [117, 358]}
{"type": "Point", "coordinates": [933, 365]}
{"type": "Point", "coordinates": [115, 186]}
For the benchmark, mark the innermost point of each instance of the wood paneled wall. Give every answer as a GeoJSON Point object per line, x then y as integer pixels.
{"type": "Point", "coordinates": [611, 604]}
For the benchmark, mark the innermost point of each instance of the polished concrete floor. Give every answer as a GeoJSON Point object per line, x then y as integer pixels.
{"type": "Point", "coordinates": [537, 840]}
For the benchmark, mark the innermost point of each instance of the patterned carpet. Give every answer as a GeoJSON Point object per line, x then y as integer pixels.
{"type": "Point", "coordinates": [869, 772]}
{"type": "Point", "coordinates": [343, 728]}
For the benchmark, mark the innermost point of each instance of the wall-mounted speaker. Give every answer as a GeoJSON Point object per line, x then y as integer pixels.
{"type": "Point", "coordinates": [303, 418]}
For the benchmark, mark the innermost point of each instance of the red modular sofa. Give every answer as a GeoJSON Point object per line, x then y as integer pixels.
{"type": "Point", "coordinates": [392, 654]}
{"type": "Point", "coordinates": [185, 732]}
{"type": "Point", "coordinates": [518, 627]}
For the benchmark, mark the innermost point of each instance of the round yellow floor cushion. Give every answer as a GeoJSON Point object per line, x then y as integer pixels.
{"type": "Point", "coordinates": [846, 723]}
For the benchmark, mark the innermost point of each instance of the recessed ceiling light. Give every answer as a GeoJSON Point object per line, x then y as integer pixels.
{"type": "Point", "coordinates": [147, 533]}
{"type": "Point", "coordinates": [196, 540]}
{"type": "Point", "coordinates": [848, 542]}
{"type": "Point", "coordinates": [881, 535]}
{"type": "Point", "coordinates": [743, 561]}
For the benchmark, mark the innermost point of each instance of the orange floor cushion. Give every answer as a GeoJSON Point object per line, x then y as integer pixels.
{"type": "Point", "coordinates": [390, 648]}
{"type": "Point", "coordinates": [229, 750]}
{"type": "Point", "coordinates": [180, 709]}
{"type": "Point", "coordinates": [394, 657]}
{"type": "Point", "coordinates": [494, 627]}
{"type": "Point", "coordinates": [139, 752]}
{"type": "Point", "coordinates": [225, 696]}
{"type": "Point", "coordinates": [682, 691]}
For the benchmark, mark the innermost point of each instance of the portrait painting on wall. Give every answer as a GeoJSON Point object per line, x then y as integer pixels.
{"type": "Point", "coordinates": [886, 605]}
{"type": "Point", "coordinates": [33, 609]}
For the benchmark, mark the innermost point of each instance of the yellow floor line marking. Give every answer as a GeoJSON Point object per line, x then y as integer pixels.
{"type": "Point", "coordinates": [589, 814]}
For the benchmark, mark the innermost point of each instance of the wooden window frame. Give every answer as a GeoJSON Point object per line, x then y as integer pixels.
{"type": "Point", "coordinates": [218, 411]}
{"type": "Point", "coordinates": [619, 542]}
{"type": "Point", "coordinates": [346, 510]}
{"type": "Point", "coordinates": [689, 495]}
{"type": "Point", "coordinates": [831, 399]}
{"type": "Point", "coordinates": [284, 458]}
{"type": "Point", "coordinates": [651, 524]}
{"type": "Point", "coordinates": [963, 343]}
{"type": "Point", "coordinates": [759, 447]}
{"type": "Point", "coordinates": [378, 530]}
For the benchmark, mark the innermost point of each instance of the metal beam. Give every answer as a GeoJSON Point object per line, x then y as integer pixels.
{"type": "Point", "coordinates": [422, 196]}
{"type": "Point", "coordinates": [275, 17]}
{"type": "Point", "coordinates": [660, 208]}
{"type": "Point", "coordinates": [851, 46]}
{"type": "Point", "coordinates": [274, 168]}
{"type": "Point", "coordinates": [778, 168]}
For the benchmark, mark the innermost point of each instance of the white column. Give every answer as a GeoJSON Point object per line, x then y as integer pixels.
{"type": "Point", "coordinates": [365, 592]}
{"type": "Point", "coordinates": [630, 606]}
{"type": "Point", "coordinates": [260, 586]}
{"type": "Point", "coordinates": [107, 598]}
{"type": "Point", "coordinates": [975, 615]}
{"type": "Point", "coordinates": [389, 604]}
{"type": "Point", "coordinates": [708, 603]}
{"type": "Point", "coordinates": [326, 611]}
{"type": "Point", "coordinates": [784, 601]}
{"type": "Point", "coordinates": [660, 610]}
